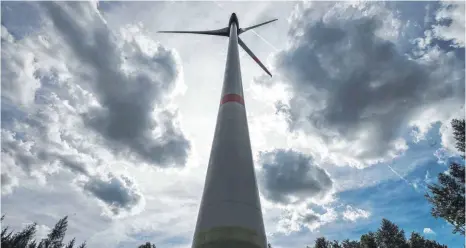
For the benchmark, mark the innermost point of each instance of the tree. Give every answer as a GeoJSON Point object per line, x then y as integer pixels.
{"type": "Point", "coordinates": [458, 132]}
{"type": "Point", "coordinates": [448, 196]}
{"type": "Point", "coordinates": [22, 239]}
{"type": "Point", "coordinates": [418, 241]}
{"type": "Point", "coordinates": [55, 237]}
{"type": "Point", "coordinates": [335, 244]}
{"type": "Point", "coordinates": [322, 243]}
{"type": "Point", "coordinates": [350, 244]}
{"type": "Point", "coordinates": [83, 245]}
{"type": "Point", "coordinates": [25, 238]}
{"type": "Point", "coordinates": [389, 236]}
{"type": "Point", "coordinates": [434, 244]}
{"type": "Point", "coordinates": [71, 243]}
{"type": "Point", "coordinates": [368, 240]}
{"type": "Point", "coordinates": [147, 245]}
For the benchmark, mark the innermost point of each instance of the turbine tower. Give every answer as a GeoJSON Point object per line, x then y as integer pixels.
{"type": "Point", "coordinates": [230, 214]}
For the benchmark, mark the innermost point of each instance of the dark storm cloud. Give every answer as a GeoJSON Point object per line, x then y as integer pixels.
{"type": "Point", "coordinates": [118, 193]}
{"type": "Point", "coordinates": [352, 85]}
{"type": "Point", "coordinates": [128, 100]}
{"type": "Point", "coordinates": [288, 173]}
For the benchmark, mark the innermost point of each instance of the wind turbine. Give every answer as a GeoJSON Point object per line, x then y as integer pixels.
{"type": "Point", "coordinates": [230, 214]}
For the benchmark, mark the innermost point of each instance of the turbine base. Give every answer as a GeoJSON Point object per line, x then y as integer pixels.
{"type": "Point", "coordinates": [228, 237]}
{"type": "Point", "coordinates": [228, 244]}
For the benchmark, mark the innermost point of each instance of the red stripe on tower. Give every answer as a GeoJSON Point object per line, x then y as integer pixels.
{"type": "Point", "coordinates": [232, 98]}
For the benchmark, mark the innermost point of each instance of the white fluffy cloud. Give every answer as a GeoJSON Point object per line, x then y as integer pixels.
{"type": "Point", "coordinates": [294, 220]}
{"type": "Point", "coordinates": [353, 214]}
{"type": "Point", "coordinates": [428, 231]}
{"type": "Point", "coordinates": [451, 16]}
{"type": "Point", "coordinates": [448, 138]}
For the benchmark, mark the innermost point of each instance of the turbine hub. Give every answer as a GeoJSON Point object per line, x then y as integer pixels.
{"type": "Point", "coordinates": [233, 19]}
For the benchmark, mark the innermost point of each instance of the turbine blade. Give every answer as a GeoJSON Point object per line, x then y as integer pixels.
{"type": "Point", "coordinates": [242, 30]}
{"type": "Point", "coordinates": [241, 43]}
{"type": "Point", "coordinates": [218, 32]}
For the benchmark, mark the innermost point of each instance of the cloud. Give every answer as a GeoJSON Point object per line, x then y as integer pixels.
{"type": "Point", "coordinates": [353, 214]}
{"type": "Point", "coordinates": [8, 183]}
{"type": "Point", "coordinates": [442, 155]}
{"type": "Point", "coordinates": [53, 114]}
{"type": "Point", "coordinates": [427, 178]}
{"type": "Point", "coordinates": [354, 92]}
{"type": "Point", "coordinates": [79, 100]}
{"type": "Point", "coordinates": [18, 80]}
{"type": "Point", "coordinates": [292, 184]}
{"type": "Point", "coordinates": [76, 74]}
{"type": "Point", "coordinates": [6, 36]}
{"type": "Point", "coordinates": [428, 231]}
{"type": "Point", "coordinates": [299, 217]}
{"type": "Point", "coordinates": [42, 231]}
{"type": "Point", "coordinates": [288, 177]}
{"type": "Point", "coordinates": [119, 193]}
{"type": "Point", "coordinates": [40, 155]}
{"type": "Point", "coordinates": [129, 79]}
{"type": "Point", "coordinates": [447, 135]}
{"type": "Point", "coordinates": [451, 21]}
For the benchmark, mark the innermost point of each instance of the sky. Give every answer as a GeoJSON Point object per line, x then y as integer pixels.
{"type": "Point", "coordinates": [111, 123]}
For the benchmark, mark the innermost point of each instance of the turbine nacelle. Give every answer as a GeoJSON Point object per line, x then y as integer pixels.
{"type": "Point", "coordinates": [233, 19]}
{"type": "Point", "coordinates": [226, 32]}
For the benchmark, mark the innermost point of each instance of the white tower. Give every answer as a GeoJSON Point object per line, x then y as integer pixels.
{"type": "Point", "coordinates": [230, 214]}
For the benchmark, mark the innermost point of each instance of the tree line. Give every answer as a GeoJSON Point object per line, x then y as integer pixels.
{"type": "Point", "coordinates": [389, 235]}
{"type": "Point", "coordinates": [25, 238]}
{"type": "Point", "coordinates": [55, 239]}
{"type": "Point", "coordinates": [447, 198]}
